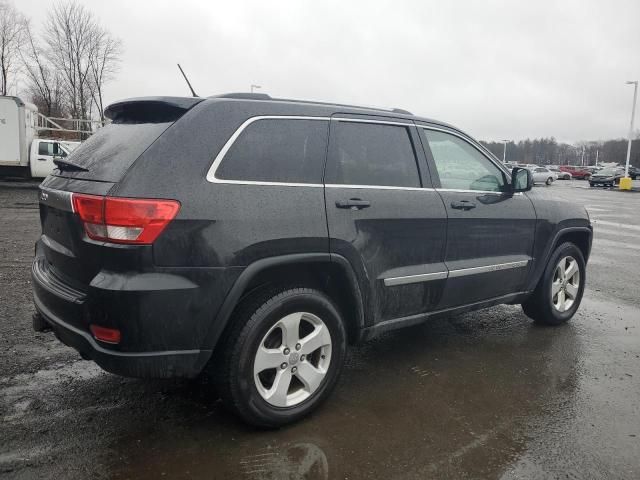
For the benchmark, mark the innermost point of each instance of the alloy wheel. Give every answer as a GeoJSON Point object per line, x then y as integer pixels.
{"type": "Point", "coordinates": [566, 284]}
{"type": "Point", "coordinates": [292, 359]}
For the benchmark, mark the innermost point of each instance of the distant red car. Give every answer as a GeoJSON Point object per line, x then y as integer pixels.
{"type": "Point", "coordinates": [577, 172]}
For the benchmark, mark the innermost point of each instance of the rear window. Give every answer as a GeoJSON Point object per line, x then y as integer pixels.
{"type": "Point", "coordinates": [110, 152]}
{"type": "Point", "coordinates": [372, 154]}
{"type": "Point", "coordinates": [277, 150]}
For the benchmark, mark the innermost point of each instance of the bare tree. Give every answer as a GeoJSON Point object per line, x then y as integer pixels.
{"type": "Point", "coordinates": [45, 83]}
{"type": "Point", "coordinates": [68, 33]}
{"type": "Point", "coordinates": [86, 55]}
{"type": "Point", "coordinates": [12, 36]}
{"type": "Point", "coordinates": [103, 63]}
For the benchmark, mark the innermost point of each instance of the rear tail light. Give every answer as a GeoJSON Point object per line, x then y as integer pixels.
{"type": "Point", "coordinates": [136, 221]}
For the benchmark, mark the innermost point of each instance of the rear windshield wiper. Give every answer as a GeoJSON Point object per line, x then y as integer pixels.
{"type": "Point", "coordinates": [65, 165]}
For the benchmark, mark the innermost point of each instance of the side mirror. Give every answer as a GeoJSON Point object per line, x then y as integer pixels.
{"type": "Point", "coordinates": [521, 180]}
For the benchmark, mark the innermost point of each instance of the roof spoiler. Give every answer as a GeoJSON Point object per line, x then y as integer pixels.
{"type": "Point", "coordinates": [149, 109]}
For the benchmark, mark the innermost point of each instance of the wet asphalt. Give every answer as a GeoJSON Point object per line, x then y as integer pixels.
{"type": "Point", "coordinates": [482, 395]}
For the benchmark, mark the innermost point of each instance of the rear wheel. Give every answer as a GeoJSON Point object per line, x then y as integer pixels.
{"type": "Point", "coordinates": [282, 357]}
{"type": "Point", "coordinates": [559, 292]}
{"type": "Point", "coordinates": [549, 181]}
{"type": "Point", "coordinates": [587, 177]}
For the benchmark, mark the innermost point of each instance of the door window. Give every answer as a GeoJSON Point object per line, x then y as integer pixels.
{"type": "Point", "coordinates": [372, 154]}
{"type": "Point", "coordinates": [461, 166]}
{"type": "Point", "coordinates": [45, 148]}
{"type": "Point", "coordinates": [51, 149]}
{"type": "Point", "coordinates": [274, 150]}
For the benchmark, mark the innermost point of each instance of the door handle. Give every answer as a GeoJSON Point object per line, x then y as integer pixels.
{"type": "Point", "coordinates": [463, 205]}
{"type": "Point", "coordinates": [42, 159]}
{"type": "Point", "coordinates": [353, 203]}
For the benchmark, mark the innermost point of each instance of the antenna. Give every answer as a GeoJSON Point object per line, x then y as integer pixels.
{"type": "Point", "coordinates": [187, 80]}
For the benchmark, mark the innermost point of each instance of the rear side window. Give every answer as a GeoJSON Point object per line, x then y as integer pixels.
{"type": "Point", "coordinates": [277, 150]}
{"type": "Point", "coordinates": [372, 154]}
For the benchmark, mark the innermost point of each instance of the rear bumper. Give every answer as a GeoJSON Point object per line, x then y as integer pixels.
{"type": "Point", "coordinates": [166, 364]}
{"type": "Point", "coordinates": [161, 332]}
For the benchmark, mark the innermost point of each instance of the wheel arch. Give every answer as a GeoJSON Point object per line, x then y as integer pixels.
{"type": "Point", "coordinates": [580, 236]}
{"type": "Point", "coordinates": [330, 273]}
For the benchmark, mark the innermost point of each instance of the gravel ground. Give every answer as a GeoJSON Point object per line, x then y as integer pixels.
{"type": "Point", "coordinates": [481, 395]}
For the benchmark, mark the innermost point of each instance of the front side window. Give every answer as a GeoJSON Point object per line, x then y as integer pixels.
{"type": "Point", "coordinates": [45, 148]}
{"type": "Point", "coordinates": [277, 150]}
{"type": "Point", "coordinates": [461, 166]}
{"type": "Point", "coordinates": [372, 154]}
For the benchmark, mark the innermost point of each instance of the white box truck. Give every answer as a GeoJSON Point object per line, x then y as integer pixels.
{"type": "Point", "coordinates": [22, 153]}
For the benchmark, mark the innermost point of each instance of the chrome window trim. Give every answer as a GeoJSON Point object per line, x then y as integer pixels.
{"type": "Point", "coordinates": [379, 187]}
{"type": "Point", "coordinates": [483, 192]}
{"type": "Point", "coordinates": [211, 174]}
{"type": "Point", "coordinates": [427, 277]}
{"type": "Point", "coordinates": [422, 277]}
{"type": "Point", "coordinates": [366, 120]}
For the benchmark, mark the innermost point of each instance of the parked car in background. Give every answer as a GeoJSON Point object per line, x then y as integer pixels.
{"type": "Point", "coordinates": [607, 177]}
{"type": "Point", "coordinates": [634, 172]}
{"type": "Point", "coordinates": [543, 175]}
{"type": "Point", "coordinates": [562, 175]}
{"type": "Point", "coordinates": [580, 173]}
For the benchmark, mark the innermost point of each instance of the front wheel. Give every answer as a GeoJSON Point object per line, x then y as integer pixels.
{"type": "Point", "coordinates": [549, 181]}
{"type": "Point", "coordinates": [559, 292]}
{"type": "Point", "coordinates": [282, 357]}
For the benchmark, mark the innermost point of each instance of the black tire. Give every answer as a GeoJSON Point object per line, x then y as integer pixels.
{"type": "Point", "coordinates": [232, 365]}
{"type": "Point", "coordinates": [591, 184]}
{"type": "Point", "coordinates": [539, 306]}
{"type": "Point", "coordinates": [549, 181]}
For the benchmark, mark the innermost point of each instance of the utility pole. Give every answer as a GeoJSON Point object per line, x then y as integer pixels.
{"type": "Point", "coordinates": [597, 152]}
{"type": "Point", "coordinates": [254, 87]}
{"type": "Point", "coordinates": [504, 151]}
{"type": "Point", "coordinates": [582, 157]}
{"type": "Point", "coordinates": [626, 182]}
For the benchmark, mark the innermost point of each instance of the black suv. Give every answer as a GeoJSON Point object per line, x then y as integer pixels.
{"type": "Point", "coordinates": [251, 239]}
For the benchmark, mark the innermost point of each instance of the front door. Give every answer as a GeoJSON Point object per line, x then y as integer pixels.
{"type": "Point", "coordinates": [43, 164]}
{"type": "Point", "coordinates": [382, 218]}
{"type": "Point", "coordinates": [490, 232]}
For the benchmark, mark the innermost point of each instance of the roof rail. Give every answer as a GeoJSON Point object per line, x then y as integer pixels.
{"type": "Point", "coordinates": [264, 96]}
{"type": "Point", "coordinates": [244, 96]}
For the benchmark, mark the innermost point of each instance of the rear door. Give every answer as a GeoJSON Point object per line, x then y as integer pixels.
{"type": "Point", "coordinates": [489, 232]}
{"type": "Point", "coordinates": [383, 216]}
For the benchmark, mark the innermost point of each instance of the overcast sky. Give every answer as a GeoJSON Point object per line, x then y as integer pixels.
{"type": "Point", "coordinates": [497, 69]}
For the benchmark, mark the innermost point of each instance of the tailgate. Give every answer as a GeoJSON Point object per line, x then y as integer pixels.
{"type": "Point", "coordinates": [68, 255]}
